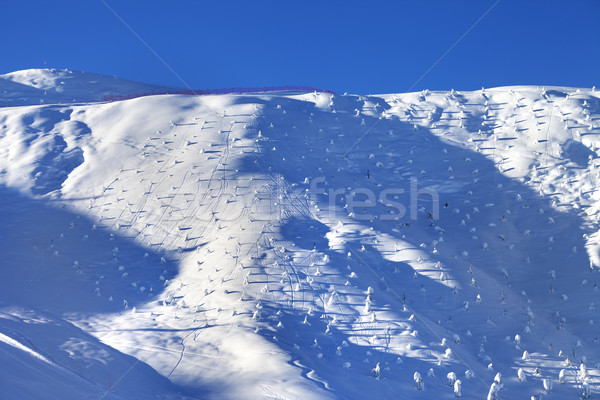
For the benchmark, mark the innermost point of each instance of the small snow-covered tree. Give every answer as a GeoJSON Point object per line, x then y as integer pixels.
{"type": "Point", "coordinates": [338, 351]}
{"type": "Point", "coordinates": [498, 380]}
{"type": "Point", "coordinates": [586, 392]}
{"type": "Point", "coordinates": [521, 375]}
{"type": "Point", "coordinates": [518, 339]}
{"type": "Point", "coordinates": [451, 378]}
{"type": "Point", "coordinates": [583, 373]}
{"type": "Point", "coordinates": [448, 353]}
{"type": "Point", "coordinates": [561, 377]}
{"type": "Point", "coordinates": [493, 393]}
{"type": "Point", "coordinates": [376, 372]}
{"type": "Point", "coordinates": [419, 381]}
{"type": "Point", "coordinates": [547, 385]}
{"type": "Point", "coordinates": [367, 308]}
{"type": "Point", "coordinates": [457, 388]}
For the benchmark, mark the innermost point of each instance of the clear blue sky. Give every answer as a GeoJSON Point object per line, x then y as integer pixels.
{"type": "Point", "coordinates": [355, 46]}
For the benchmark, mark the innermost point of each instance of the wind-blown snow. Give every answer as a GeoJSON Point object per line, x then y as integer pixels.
{"type": "Point", "coordinates": [297, 246]}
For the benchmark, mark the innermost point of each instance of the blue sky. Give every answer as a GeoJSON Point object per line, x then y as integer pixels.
{"type": "Point", "coordinates": [354, 46]}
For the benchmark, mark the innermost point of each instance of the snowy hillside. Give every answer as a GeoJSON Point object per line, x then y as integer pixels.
{"type": "Point", "coordinates": [51, 86]}
{"type": "Point", "coordinates": [299, 246]}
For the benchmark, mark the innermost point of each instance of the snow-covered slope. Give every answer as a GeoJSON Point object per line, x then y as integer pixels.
{"type": "Point", "coordinates": [51, 86]}
{"type": "Point", "coordinates": [301, 246]}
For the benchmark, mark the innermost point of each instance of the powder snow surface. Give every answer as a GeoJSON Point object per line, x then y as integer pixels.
{"type": "Point", "coordinates": [297, 245]}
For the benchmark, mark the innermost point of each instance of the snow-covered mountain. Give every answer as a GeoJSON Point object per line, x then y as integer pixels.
{"type": "Point", "coordinates": [297, 246]}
